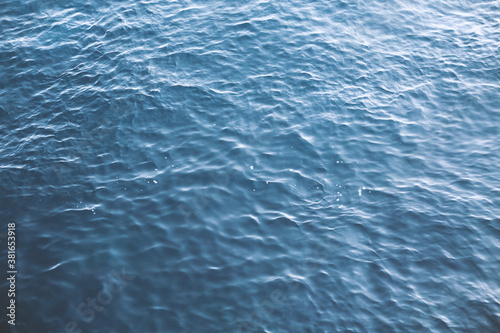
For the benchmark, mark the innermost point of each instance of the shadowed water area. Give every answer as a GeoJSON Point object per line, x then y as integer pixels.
{"type": "Point", "coordinates": [251, 166]}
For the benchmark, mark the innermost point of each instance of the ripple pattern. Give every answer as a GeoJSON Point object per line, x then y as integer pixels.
{"type": "Point", "coordinates": [252, 166]}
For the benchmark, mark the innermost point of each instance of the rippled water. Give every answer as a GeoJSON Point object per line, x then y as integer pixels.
{"type": "Point", "coordinates": [257, 166]}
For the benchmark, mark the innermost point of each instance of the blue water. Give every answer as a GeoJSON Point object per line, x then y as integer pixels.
{"type": "Point", "coordinates": [251, 166]}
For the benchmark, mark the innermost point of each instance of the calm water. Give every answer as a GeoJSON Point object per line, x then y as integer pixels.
{"type": "Point", "coordinates": [251, 166]}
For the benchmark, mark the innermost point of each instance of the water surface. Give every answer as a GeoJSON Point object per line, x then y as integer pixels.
{"type": "Point", "coordinates": [252, 166]}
